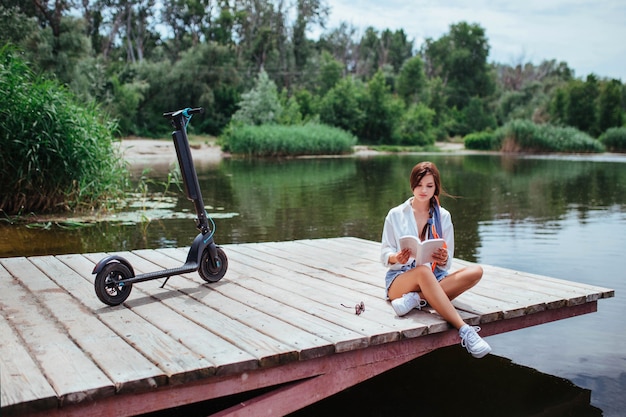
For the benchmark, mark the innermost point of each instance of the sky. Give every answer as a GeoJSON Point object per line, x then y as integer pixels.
{"type": "Point", "coordinates": [589, 35]}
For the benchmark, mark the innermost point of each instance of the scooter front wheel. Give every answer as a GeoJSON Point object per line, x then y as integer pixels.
{"type": "Point", "coordinates": [108, 288]}
{"type": "Point", "coordinates": [210, 272]}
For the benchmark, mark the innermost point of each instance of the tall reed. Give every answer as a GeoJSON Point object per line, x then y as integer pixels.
{"type": "Point", "coordinates": [56, 154]}
{"type": "Point", "coordinates": [614, 139]}
{"type": "Point", "coordinates": [526, 136]}
{"type": "Point", "coordinates": [280, 140]}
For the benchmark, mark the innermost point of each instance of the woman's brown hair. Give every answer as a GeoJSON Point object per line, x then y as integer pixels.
{"type": "Point", "coordinates": [417, 174]}
{"type": "Point", "coordinates": [421, 170]}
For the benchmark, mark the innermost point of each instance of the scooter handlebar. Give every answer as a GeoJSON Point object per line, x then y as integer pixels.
{"type": "Point", "coordinates": [187, 111]}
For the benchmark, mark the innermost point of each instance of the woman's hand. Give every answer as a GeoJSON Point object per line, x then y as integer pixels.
{"type": "Point", "coordinates": [403, 256]}
{"type": "Point", "coordinates": [441, 256]}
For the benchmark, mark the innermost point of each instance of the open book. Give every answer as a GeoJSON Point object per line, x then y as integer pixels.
{"type": "Point", "coordinates": [422, 252]}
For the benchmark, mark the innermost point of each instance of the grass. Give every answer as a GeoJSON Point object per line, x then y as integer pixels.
{"type": "Point", "coordinates": [56, 153]}
{"type": "Point", "coordinates": [614, 139]}
{"type": "Point", "coordinates": [526, 136]}
{"type": "Point", "coordinates": [280, 140]}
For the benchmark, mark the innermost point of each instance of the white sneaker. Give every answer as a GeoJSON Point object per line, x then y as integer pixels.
{"type": "Point", "coordinates": [472, 342]}
{"type": "Point", "coordinates": [407, 302]}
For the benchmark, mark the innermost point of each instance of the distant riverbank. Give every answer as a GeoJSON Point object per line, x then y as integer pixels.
{"type": "Point", "coordinates": [155, 152]}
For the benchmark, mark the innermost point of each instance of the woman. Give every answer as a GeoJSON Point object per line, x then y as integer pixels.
{"type": "Point", "coordinates": [412, 286]}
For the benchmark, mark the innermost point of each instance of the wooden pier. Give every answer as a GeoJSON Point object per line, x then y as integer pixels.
{"type": "Point", "coordinates": [277, 321]}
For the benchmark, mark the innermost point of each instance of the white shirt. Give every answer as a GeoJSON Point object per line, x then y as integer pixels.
{"type": "Point", "coordinates": [400, 221]}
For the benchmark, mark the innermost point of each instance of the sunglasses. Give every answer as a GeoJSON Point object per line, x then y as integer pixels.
{"type": "Point", "coordinates": [358, 309]}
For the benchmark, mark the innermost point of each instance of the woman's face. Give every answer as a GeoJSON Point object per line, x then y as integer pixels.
{"type": "Point", "coordinates": [425, 189]}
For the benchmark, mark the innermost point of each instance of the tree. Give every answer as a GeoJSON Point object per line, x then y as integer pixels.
{"type": "Point", "coordinates": [204, 76]}
{"type": "Point", "coordinates": [459, 58]}
{"type": "Point", "coordinates": [558, 107]}
{"type": "Point", "coordinates": [528, 91]}
{"type": "Point", "coordinates": [330, 72]}
{"type": "Point", "coordinates": [415, 127]}
{"type": "Point", "coordinates": [437, 102]}
{"type": "Point", "coordinates": [260, 32]}
{"type": "Point", "coordinates": [132, 22]}
{"type": "Point", "coordinates": [340, 42]}
{"type": "Point", "coordinates": [395, 48]}
{"type": "Point", "coordinates": [368, 54]}
{"type": "Point", "coordinates": [611, 108]}
{"type": "Point", "coordinates": [581, 105]}
{"type": "Point", "coordinates": [51, 16]}
{"type": "Point", "coordinates": [15, 25]}
{"type": "Point", "coordinates": [381, 112]}
{"type": "Point", "coordinates": [291, 114]}
{"type": "Point", "coordinates": [307, 104]}
{"type": "Point", "coordinates": [261, 105]}
{"type": "Point", "coordinates": [307, 12]}
{"type": "Point", "coordinates": [190, 18]}
{"type": "Point", "coordinates": [61, 54]}
{"type": "Point", "coordinates": [342, 106]}
{"type": "Point", "coordinates": [476, 118]}
{"type": "Point", "coordinates": [411, 81]}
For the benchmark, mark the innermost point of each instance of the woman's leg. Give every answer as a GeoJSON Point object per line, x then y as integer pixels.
{"type": "Point", "coordinates": [421, 279]}
{"type": "Point", "coordinates": [460, 281]}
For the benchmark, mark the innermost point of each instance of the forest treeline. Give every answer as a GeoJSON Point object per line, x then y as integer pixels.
{"type": "Point", "coordinates": [138, 58]}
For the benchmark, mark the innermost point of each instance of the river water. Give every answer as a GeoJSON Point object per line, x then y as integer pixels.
{"type": "Point", "coordinates": [563, 217]}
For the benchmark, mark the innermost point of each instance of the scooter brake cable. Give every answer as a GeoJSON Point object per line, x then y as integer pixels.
{"type": "Point", "coordinates": [187, 116]}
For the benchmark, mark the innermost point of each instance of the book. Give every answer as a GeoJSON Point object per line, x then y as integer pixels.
{"type": "Point", "coordinates": [422, 252]}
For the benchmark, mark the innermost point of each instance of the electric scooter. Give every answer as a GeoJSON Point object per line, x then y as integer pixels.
{"type": "Point", "coordinates": [115, 275]}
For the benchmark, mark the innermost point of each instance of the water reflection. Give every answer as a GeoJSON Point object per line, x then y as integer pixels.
{"type": "Point", "coordinates": [561, 217]}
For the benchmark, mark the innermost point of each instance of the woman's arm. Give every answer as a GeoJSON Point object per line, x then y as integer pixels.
{"type": "Point", "coordinates": [388, 240]}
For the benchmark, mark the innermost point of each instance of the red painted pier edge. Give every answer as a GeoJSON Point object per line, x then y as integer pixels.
{"type": "Point", "coordinates": [306, 382]}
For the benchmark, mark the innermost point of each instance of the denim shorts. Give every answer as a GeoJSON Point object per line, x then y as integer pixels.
{"type": "Point", "coordinates": [392, 274]}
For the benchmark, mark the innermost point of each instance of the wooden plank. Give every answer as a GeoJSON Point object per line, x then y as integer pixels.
{"type": "Point", "coordinates": [486, 308]}
{"type": "Point", "coordinates": [178, 362]}
{"type": "Point", "coordinates": [267, 350]}
{"type": "Point", "coordinates": [512, 297]}
{"type": "Point", "coordinates": [488, 288]}
{"type": "Point", "coordinates": [491, 302]}
{"type": "Point", "coordinates": [329, 293]}
{"type": "Point", "coordinates": [376, 307]}
{"type": "Point", "coordinates": [503, 300]}
{"type": "Point", "coordinates": [551, 285]}
{"type": "Point", "coordinates": [374, 288]}
{"type": "Point", "coordinates": [128, 369]}
{"type": "Point", "coordinates": [68, 370]}
{"type": "Point", "coordinates": [24, 387]}
{"type": "Point", "coordinates": [364, 255]}
{"type": "Point", "coordinates": [272, 300]}
{"type": "Point", "coordinates": [276, 318]}
{"type": "Point", "coordinates": [225, 356]}
{"type": "Point", "coordinates": [403, 351]}
{"type": "Point", "coordinates": [521, 293]}
{"type": "Point", "coordinates": [373, 360]}
{"type": "Point", "coordinates": [355, 247]}
{"type": "Point", "coordinates": [299, 291]}
{"type": "Point", "coordinates": [239, 308]}
{"type": "Point", "coordinates": [342, 275]}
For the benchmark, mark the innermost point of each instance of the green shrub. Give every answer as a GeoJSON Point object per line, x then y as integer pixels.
{"type": "Point", "coordinates": [261, 105]}
{"type": "Point", "coordinates": [614, 139]}
{"type": "Point", "coordinates": [55, 155]}
{"type": "Point", "coordinates": [526, 136]}
{"type": "Point", "coordinates": [415, 127]}
{"type": "Point", "coordinates": [483, 141]}
{"type": "Point", "coordinates": [279, 140]}
{"type": "Point", "coordinates": [341, 106]}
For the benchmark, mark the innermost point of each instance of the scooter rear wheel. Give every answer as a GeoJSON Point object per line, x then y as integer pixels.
{"type": "Point", "coordinates": [210, 272]}
{"type": "Point", "coordinates": [107, 286]}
